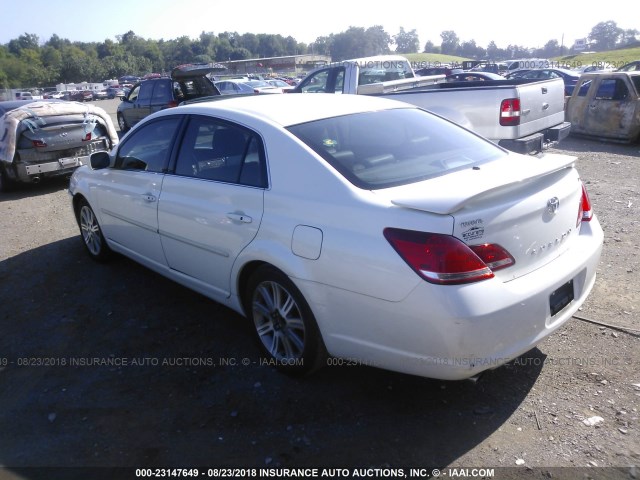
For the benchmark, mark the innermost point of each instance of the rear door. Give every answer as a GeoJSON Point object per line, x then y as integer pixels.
{"type": "Point", "coordinates": [212, 202]}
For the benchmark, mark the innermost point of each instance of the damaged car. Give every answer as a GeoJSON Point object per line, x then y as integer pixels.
{"type": "Point", "coordinates": [47, 138]}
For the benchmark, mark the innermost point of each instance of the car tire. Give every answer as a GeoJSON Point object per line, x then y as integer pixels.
{"type": "Point", "coordinates": [285, 327]}
{"type": "Point", "coordinates": [122, 124]}
{"type": "Point", "coordinates": [91, 233]}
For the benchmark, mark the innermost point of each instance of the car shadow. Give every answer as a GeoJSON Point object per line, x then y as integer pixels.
{"type": "Point", "coordinates": [582, 143]}
{"type": "Point", "coordinates": [113, 365]}
{"type": "Point", "coordinates": [45, 187]}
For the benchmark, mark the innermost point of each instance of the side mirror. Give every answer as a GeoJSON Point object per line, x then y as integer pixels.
{"type": "Point", "coordinates": [99, 160]}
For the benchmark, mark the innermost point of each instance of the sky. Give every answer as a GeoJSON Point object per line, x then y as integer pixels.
{"type": "Point", "coordinates": [528, 24]}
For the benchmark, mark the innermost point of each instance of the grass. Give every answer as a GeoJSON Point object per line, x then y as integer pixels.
{"type": "Point", "coordinates": [611, 59]}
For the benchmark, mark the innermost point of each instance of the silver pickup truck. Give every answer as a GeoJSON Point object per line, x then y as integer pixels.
{"type": "Point", "coordinates": [521, 115]}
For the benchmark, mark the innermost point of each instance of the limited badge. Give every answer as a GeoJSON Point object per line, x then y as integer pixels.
{"type": "Point", "coordinates": [474, 233]}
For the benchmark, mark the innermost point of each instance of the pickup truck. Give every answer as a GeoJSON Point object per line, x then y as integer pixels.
{"type": "Point", "coordinates": [606, 105]}
{"type": "Point", "coordinates": [524, 116]}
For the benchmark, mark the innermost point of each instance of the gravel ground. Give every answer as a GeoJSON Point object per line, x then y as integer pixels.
{"type": "Point", "coordinates": [185, 385]}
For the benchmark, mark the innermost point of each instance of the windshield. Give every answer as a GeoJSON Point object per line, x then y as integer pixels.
{"type": "Point", "coordinates": [394, 147]}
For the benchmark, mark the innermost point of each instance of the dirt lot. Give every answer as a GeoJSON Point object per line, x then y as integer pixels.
{"type": "Point", "coordinates": [115, 366]}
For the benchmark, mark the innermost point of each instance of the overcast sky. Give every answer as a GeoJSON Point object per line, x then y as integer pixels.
{"type": "Point", "coordinates": [528, 24]}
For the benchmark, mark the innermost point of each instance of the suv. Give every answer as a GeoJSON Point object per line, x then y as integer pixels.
{"type": "Point", "coordinates": [149, 96]}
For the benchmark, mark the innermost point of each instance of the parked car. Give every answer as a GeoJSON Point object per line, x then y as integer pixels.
{"type": "Point", "coordinates": [606, 105]}
{"type": "Point", "coordinates": [630, 67]}
{"type": "Point", "coordinates": [87, 95]}
{"type": "Point", "coordinates": [75, 96]}
{"type": "Point", "coordinates": [569, 77]}
{"type": "Point", "coordinates": [233, 87]}
{"type": "Point", "coordinates": [115, 91]}
{"type": "Point", "coordinates": [49, 138]}
{"type": "Point", "coordinates": [262, 86]}
{"type": "Point", "coordinates": [474, 77]}
{"type": "Point", "coordinates": [429, 71]}
{"type": "Point", "coordinates": [352, 225]}
{"type": "Point", "coordinates": [23, 96]}
{"type": "Point", "coordinates": [100, 95]}
{"type": "Point", "coordinates": [53, 95]}
{"type": "Point", "coordinates": [187, 82]}
{"type": "Point", "coordinates": [281, 84]}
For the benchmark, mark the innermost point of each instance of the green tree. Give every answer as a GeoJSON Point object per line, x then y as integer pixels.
{"type": "Point", "coordinates": [406, 42]}
{"type": "Point", "coordinates": [430, 47]}
{"type": "Point", "coordinates": [450, 42]}
{"type": "Point", "coordinates": [605, 35]}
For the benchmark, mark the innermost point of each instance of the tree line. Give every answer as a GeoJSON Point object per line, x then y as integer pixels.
{"type": "Point", "coordinates": [26, 62]}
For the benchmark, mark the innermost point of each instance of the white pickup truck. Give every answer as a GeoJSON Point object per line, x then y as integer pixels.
{"type": "Point", "coordinates": [521, 115]}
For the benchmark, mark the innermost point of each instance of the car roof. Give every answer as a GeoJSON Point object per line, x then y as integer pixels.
{"type": "Point", "coordinates": [287, 109]}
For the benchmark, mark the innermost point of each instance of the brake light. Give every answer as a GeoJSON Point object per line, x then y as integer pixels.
{"type": "Point", "coordinates": [87, 137]}
{"type": "Point", "coordinates": [510, 112]}
{"type": "Point", "coordinates": [172, 104]}
{"type": "Point", "coordinates": [39, 143]}
{"type": "Point", "coordinates": [445, 260]}
{"type": "Point", "coordinates": [585, 211]}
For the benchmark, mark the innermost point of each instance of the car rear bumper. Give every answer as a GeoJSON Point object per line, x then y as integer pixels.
{"type": "Point", "coordinates": [456, 332]}
{"type": "Point", "coordinates": [538, 141]}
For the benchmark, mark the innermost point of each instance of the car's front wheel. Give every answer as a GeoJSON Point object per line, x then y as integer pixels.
{"type": "Point", "coordinates": [285, 326]}
{"type": "Point", "coordinates": [91, 233]}
{"type": "Point", "coordinates": [122, 123]}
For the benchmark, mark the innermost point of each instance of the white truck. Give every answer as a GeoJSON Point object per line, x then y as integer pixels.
{"type": "Point", "coordinates": [521, 115]}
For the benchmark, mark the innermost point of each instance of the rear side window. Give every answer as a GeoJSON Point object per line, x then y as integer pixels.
{"type": "Point", "coordinates": [162, 92]}
{"type": "Point", "coordinates": [394, 147]}
{"type": "Point", "coordinates": [220, 151]}
{"type": "Point", "coordinates": [146, 90]}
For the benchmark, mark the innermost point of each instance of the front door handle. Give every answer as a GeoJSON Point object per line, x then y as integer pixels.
{"type": "Point", "coordinates": [149, 198]}
{"type": "Point", "coordinates": [240, 217]}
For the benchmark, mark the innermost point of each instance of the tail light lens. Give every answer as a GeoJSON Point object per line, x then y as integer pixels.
{"type": "Point", "coordinates": [585, 211]}
{"type": "Point", "coordinates": [510, 112]}
{"type": "Point", "coordinates": [172, 103]}
{"type": "Point", "coordinates": [39, 143]}
{"type": "Point", "coordinates": [445, 260]}
{"type": "Point", "coordinates": [87, 137]}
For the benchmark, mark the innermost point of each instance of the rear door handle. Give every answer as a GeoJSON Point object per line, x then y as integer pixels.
{"type": "Point", "coordinates": [149, 198]}
{"type": "Point", "coordinates": [239, 217]}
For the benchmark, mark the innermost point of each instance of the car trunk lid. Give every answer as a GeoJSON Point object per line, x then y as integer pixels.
{"type": "Point", "coordinates": [528, 206]}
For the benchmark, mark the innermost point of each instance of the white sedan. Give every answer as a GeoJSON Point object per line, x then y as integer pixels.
{"type": "Point", "coordinates": [349, 227]}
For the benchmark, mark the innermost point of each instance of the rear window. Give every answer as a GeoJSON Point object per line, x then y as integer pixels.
{"type": "Point", "coordinates": [394, 147]}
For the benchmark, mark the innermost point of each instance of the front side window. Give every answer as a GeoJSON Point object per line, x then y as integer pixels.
{"type": "Point", "coordinates": [394, 147]}
{"type": "Point", "coordinates": [317, 83]}
{"type": "Point", "coordinates": [148, 148]}
{"type": "Point", "coordinates": [612, 89]}
{"type": "Point", "coordinates": [216, 150]}
{"type": "Point", "coordinates": [133, 95]}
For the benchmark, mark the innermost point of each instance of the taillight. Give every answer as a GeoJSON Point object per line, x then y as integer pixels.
{"type": "Point", "coordinates": [172, 104]}
{"type": "Point", "coordinates": [87, 137]}
{"type": "Point", "coordinates": [445, 260]}
{"type": "Point", "coordinates": [585, 211]}
{"type": "Point", "coordinates": [510, 112]}
{"type": "Point", "coordinates": [39, 143]}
